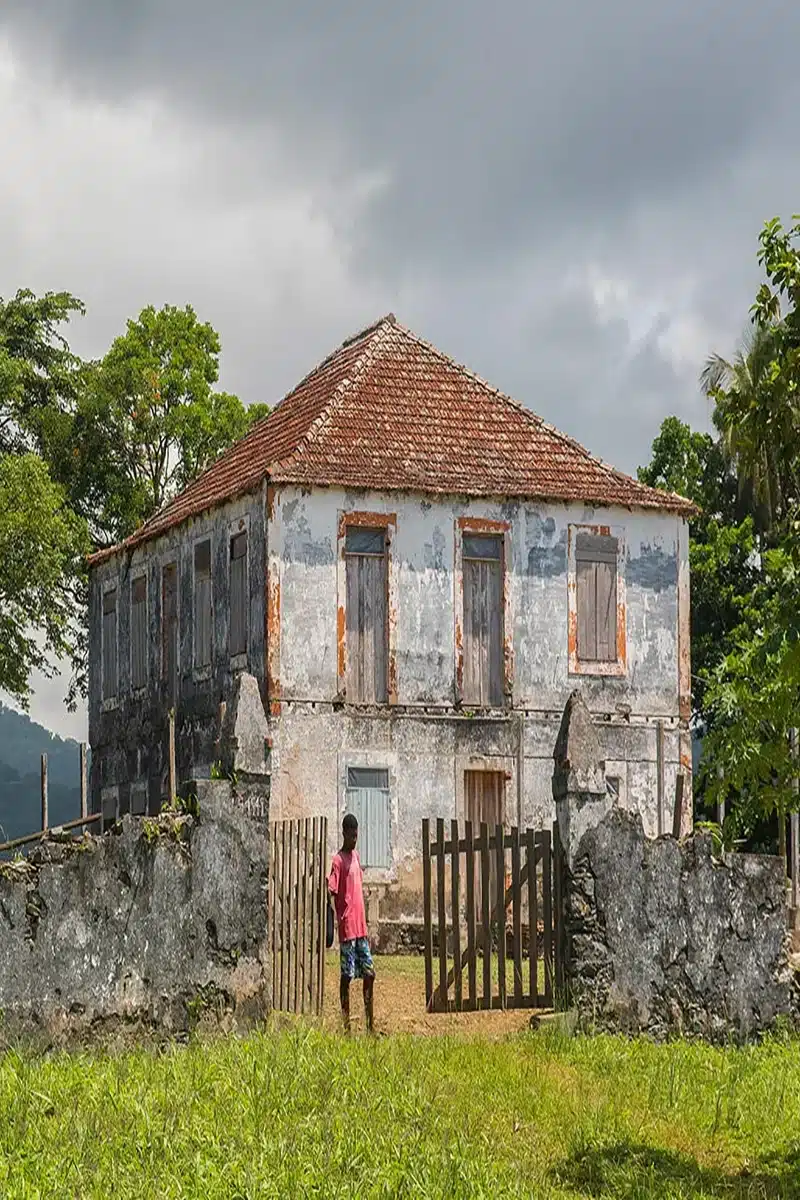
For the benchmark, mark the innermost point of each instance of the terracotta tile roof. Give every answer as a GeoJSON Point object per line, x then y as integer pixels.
{"type": "Point", "coordinates": [389, 411]}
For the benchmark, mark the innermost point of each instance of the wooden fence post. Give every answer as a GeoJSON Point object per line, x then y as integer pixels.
{"type": "Point", "coordinates": [426, 900]}
{"type": "Point", "coordinates": [660, 775]}
{"type": "Point", "coordinates": [84, 789]}
{"type": "Point", "coordinates": [677, 813]}
{"type": "Point", "coordinates": [794, 825]}
{"type": "Point", "coordinates": [172, 780]}
{"type": "Point", "coordinates": [45, 813]}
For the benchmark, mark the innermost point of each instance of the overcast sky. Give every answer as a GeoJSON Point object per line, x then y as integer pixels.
{"type": "Point", "coordinates": [566, 198]}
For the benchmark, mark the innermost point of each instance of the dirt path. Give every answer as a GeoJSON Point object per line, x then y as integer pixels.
{"type": "Point", "coordinates": [400, 1004]}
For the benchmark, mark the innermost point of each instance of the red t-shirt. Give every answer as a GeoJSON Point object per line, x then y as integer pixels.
{"type": "Point", "coordinates": [345, 885]}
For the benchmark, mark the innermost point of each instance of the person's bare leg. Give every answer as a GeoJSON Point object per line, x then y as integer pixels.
{"type": "Point", "coordinates": [369, 987]}
{"type": "Point", "coordinates": [344, 997]}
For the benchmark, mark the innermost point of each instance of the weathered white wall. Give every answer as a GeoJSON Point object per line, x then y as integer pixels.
{"type": "Point", "coordinates": [424, 742]}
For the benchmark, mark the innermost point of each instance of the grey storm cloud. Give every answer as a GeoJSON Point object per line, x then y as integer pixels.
{"type": "Point", "coordinates": [496, 124]}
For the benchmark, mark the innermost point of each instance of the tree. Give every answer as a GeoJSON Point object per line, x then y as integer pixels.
{"type": "Point", "coordinates": [753, 693]}
{"type": "Point", "coordinates": [42, 545]}
{"type": "Point", "coordinates": [147, 421]}
{"type": "Point", "coordinates": [39, 374]}
{"type": "Point", "coordinates": [723, 563]}
{"type": "Point", "coordinates": [757, 425]}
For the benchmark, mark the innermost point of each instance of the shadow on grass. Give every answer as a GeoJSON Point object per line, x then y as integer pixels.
{"type": "Point", "coordinates": [629, 1171]}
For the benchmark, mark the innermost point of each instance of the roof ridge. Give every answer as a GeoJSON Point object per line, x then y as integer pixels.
{"type": "Point", "coordinates": [532, 416]}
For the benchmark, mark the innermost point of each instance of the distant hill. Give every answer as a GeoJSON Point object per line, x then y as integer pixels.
{"type": "Point", "coordinates": [22, 743]}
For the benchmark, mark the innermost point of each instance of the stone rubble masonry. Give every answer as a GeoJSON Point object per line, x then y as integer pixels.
{"type": "Point", "coordinates": [154, 925]}
{"type": "Point", "coordinates": [659, 936]}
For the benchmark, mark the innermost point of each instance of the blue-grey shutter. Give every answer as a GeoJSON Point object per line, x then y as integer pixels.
{"type": "Point", "coordinates": [367, 798]}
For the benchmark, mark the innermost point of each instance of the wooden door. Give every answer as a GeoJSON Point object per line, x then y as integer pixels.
{"type": "Point", "coordinates": [485, 801]}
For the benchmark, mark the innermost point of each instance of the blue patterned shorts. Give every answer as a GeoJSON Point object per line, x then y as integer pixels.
{"type": "Point", "coordinates": [355, 959]}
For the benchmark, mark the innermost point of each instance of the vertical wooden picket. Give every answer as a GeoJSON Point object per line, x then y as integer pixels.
{"type": "Point", "coordinates": [486, 920]}
{"type": "Point", "coordinates": [500, 913]}
{"type": "Point", "coordinates": [440, 890]}
{"type": "Point", "coordinates": [455, 890]}
{"type": "Point", "coordinates": [426, 903]}
{"type": "Point", "coordinates": [471, 952]}
{"type": "Point", "coordinates": [516, 915]}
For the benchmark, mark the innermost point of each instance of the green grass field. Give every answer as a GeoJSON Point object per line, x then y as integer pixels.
{"type": "Point", "coordinates": [301, 1112]}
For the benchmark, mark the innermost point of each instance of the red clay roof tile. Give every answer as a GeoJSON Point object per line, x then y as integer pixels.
{"type": "Point", "coordinates": [388, 411]}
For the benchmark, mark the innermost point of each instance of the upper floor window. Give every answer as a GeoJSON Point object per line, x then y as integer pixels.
{"type": "Point", "coordinates": [139, 637]}
{"type": "Point", "coordinates": [169, 629]}
{"type": "Point", "coordinates": [238, 595]}
{"type": "Point", "coordinates": [597, 608]}
{"type": "Point", "coordinates": [109, 646]}
{"type": "Point", "coordinates": [367, 624]}
{"type": "Point", "coordinates": [482, 567]}
{"type": "Point", "coordinates": [202, 603]}
{"type": "Point", "coordinates": [596, 591]}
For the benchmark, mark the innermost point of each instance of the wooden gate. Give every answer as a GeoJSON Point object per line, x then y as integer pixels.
{"type": "Point", "coordinates": [297, 900]}
{"type": "Point", "coordinates": [478, 876]}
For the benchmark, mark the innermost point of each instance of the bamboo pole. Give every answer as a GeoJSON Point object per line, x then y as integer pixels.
{"type": "Point", "coordinates": [45, 813]}
{"type": "Point", "coordinates": [84, 788]}
{"type": "Point", "coordinates": [794, 826]}
{"type": "Point", "coordinates": [172, 779]}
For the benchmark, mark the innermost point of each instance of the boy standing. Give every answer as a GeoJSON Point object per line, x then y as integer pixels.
{"type": "Point", "coordinates": [345, 884]}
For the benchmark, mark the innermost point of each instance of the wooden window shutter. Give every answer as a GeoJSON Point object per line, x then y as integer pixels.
{"type": "Point", "coordinates": [109, 649]}
{"type": "Point", "coordinates": [596, 597]}
{"type": "Point", "coordinates": [202, 604]}
{"type": "Point", "coordinates": [238, 595]}
{"type": "Point", "coordinates": [482, 569]}
{"type": "Point", "coordinates": [367, 580]}
{"type": "Point", "coordinates": [169, 629]}
{"type": "Point", "coordinates": [367, 798]}
{"type": "Point", "coordinates": [139, 637]}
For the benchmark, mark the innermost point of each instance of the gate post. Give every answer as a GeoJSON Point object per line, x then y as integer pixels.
{"type": "Point", "coordinates": [582, 801]}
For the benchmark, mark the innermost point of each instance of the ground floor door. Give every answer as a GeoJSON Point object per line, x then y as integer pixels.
{"type": "Point", "coordinates": [485, 802]}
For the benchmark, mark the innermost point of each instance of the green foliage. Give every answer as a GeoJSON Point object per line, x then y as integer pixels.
{"type": "Point", "coordinates": [723, 558]}
{"type": "Point", "coordinates": [147, 421]}
{"type": "Point", "coordinates": [39, 374]}
{"type": "Point", "coordinates": [41, 547]}
{"type": "Point", "coordinates": [302, 1113]}
{"type": "Point", "coordinates": [115, 440]}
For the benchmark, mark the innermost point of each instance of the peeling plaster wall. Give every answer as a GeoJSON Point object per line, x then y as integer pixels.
{"type": "Point", "coordinates": [129, 738]}
{"type": "Point", "coordinates": [424, 740]}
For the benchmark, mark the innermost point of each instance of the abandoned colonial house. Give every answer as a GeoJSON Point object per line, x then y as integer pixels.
{"type": "Point", "coordinates": [418, 570]}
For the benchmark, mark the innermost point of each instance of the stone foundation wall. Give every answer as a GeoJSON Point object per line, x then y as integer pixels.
{"type": "Point", "coordinates": [661, 937]}
{"type": "Point", "coordinates": [158, 923]}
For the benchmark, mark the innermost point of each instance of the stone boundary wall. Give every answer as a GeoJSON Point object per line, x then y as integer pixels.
{"type": "Point", "coordinates": [658, 936]}
{"type": "Point", "coordinates": [156, 924]}
{"type": "Point", "coordinates": [662, 938]}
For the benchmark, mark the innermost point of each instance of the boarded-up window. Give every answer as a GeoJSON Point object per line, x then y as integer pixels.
{"type": "Point", "coordinates": [169, 629]}
{"type": "Point", "coordinates": [367, 798]}
{"type": "Point", "coordinates": [109, 651]}
{"type": "Point", "coordinates": [202, 604]}
{"type": "Point", "coordinates": [139, 631]}
{"type": "Point", "coordinates": [596, 599]}
{"type": "Point", "coordinates": [367, 618]}
{"type": "Point", "coordinates": [482, 564]}
{"type": "Point", "coordinates": [238, 594]}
